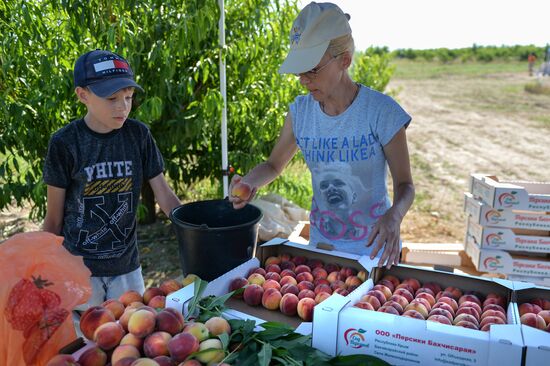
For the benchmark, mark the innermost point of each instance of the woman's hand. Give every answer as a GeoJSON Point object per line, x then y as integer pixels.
{"type": "Point", "coordinates": [387, 233]}
{"type": "Point", "coordinates": [240, 192]}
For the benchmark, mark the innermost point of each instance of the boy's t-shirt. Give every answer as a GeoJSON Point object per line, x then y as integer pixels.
{"type": "Point", "coordinates": [102, 175]}
{"type": "Point", "coordinates": [348, 167]}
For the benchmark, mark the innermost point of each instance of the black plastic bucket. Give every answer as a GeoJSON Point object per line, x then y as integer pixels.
{"type": "Point", "coordinates": [213, 237]}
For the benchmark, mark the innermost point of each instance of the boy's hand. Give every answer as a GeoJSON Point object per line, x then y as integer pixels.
{"type": "Point", "coordinates": [240, 192]}
{"type": "Point", "coordinates": [387, 233]}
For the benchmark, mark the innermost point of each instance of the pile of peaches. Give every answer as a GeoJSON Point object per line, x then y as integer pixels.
{"type": "Point", "coordinates": [137, 330]}
{"type": "Point", "coordinates": [429, 301]}
{"type": "Point", "coordinates": [295, 284]}
{"type": "Point", "coordinates": [535, 313]}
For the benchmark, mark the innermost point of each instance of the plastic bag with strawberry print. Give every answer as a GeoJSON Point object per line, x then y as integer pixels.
{"type": "Point", "coordinates": [40, 284]}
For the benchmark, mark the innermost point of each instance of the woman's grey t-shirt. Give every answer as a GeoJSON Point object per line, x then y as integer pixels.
{"type": "Point", "coordinates": [102, 175]}
{"type": "Point", "coordinates": [348, 168]}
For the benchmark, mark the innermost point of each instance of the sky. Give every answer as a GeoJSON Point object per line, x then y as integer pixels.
{"type": "Point", "coordinates": [423, 24]}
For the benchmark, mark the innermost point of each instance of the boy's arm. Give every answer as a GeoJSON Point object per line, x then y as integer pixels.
{"type": "Point", "coordinates": [164, 195]}
{"type": "Point", "coordinates": [54, 210]}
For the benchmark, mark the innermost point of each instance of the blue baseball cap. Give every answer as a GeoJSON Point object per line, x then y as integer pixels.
{"type": "Point", "coordinates": [104, 73]}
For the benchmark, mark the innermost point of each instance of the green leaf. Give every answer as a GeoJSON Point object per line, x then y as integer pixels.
{"type": "Point", "coordinates": [264, 356]}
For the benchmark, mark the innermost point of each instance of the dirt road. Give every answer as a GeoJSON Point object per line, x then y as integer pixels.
{"type": "Point", "coordinates": [469, 124]}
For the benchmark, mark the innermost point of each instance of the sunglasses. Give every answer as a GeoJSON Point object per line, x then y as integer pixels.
{"type": "Point", "coordinates": [313, 73]}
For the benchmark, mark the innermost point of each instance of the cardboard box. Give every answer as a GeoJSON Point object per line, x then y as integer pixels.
{"type": "Point", "coordinates": [443, 254]}
{"type": "Point", "coordinates": [537, 342]}
{"type": "Point", "coordinates": [518, 240]}
{"type": "Point", "coordinates": [238, 309]}
{"type": "Point", "coordinates": [300, 234]}
{"type": "Point", "coordinates": [517, 195]}
{"type": "Point", "coordinates": [486, 215]}
{"type": "Point", "coordinates": [500, 261]}
{"type": "Point", "coordinates": [539, 281]}
{"type": "Point", "coordinates": [405, 341]}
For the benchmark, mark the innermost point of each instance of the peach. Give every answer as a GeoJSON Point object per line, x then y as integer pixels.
{"type": "Point", "coordinates": [272, 276]}
{"type": "Point", "coordinates": [531, 319]}
{"type": "Point", "coordinates": [314, 263]}
{"type": "Point", "coordinates": [355, 281]}
{"type": "Point", "coordinates": [332, 267]}
{"type": "Point", "coordinates": [362, 275]}
{"type": "Point", "coordinates": [545, 314]}
{"type": "Point", "coordinates": [198, 329]}
{"type": "Point", "coordinates": [393, 279]}
{"type": "Point", "coordinates": [129, 297]}
{"type": "Point", "coordinates": [158, 302]}
{"type": "Point", "coordinates": [440, 311]}
{"type": "Point", "coordinates": [527, 307]}
{"type": "Point", "coordinates": [163, 361]}
{"type": "Point", "coordinates": [496, 299]}
{"type": "Point", "coordinates": [170, 320]}
{"type": "Point", "coordinates": [305, 285]}
{"type": "Point", "coordinates": [217, 325]}
{"type": "Point", "coordinates": [62, 360]}
{"type": "Point", "coordinates": [305, 309]}
{"type": "Point", "coordinates": [256, 279]}
{"type": "Point", "coordinates": [288, 265]}
{"type": "Point", "coordinates": [124, 351]}
{"type": "Point", "coordinates": [427, 296]}
{"type": "Point", "coordinates": [341, 291]}
{"type": "Point", "coordinates": [542, 303]}
{"type": "Point", "coordinates": [418, 307]}
{"type": "Point", "coordinates": [324, 281]}
{"type": "Point", "coordinates": [285, 257]}
{"type": "Point", "coordinates": [135, 305]}
{"type": "Point", "coordinates": [241, 190]}
{"type": "Point", "coordinates": [439, 319]}
{"type": "Point", "coordinates": [290, 288]}
{"type": "Point", "coordinates": [131, 340]}
{"type": "Point", "coordinates": [321, 296]}
{"type": "Point", "coordinates": [319, 272]}
{"type": "Point", "coordinates": [337, 284]}
{"type": "Point", "coordinates": [260, 271]}
{"type": "Point", "coordinates": [272, 284]}
{"type": "Point", "coordinates": [500, 314]}
{"type": "Point", "coordinates": [150, 293]}
{"type": "Point", "coordinates": [441, 294]}
{"type": "Point", "coordinates": [271, 299]}
{"type": "Point", "coordinates": [93, 318]}
{"type": "Point", "coordinates": [378, 294]}
{"type": "Point", "coordinates": [405, 293]}
{"type": "Point", "coordinates": [302, 268]}
{"type": "Point", "coordinates": [387, 283]}
{"type": "Point", "coordinates": [108, 335]}
{"type": "Point", "coordinates": [182, 345]}
{"type": "Point", "coordinates": [322, 288]}
{"type": "Point", "coordinates": [371, 299]}
{"type": "Point", "coordinates": [471, 304]}
{"type": "Point", "coordinates": [395, 304]}
{"type": "Point", "coordinates": [189, 279]}
{"type": "Point", "coordinates": [405, 286]}
{"type": "Point", "coordinates": [413, 282]}
{"type": "Point", "coordinates": [491, 320]}
{"type": "Point", "coordinates": [413, 314]}
{"type": "Point", "coordinates": [466, 324]}
{"type": "Point", "coordinates": [289, 304]}
{"type": "Point", "coordinates": [306, 293]}
{"type": "Point", "coordinates": [93, 357]}
{"type": "Point", "coordinates": [384, 289]}
{"type": "Point", "coordinates": [211, 351]}
{"type": "Point", "coordinates": [287, 279]}
{"type": "Point", "coordinates": [399, 299]}
{"type": "Point", "coordinates": [364, 305]}
{"type": "Point", "coordinates": [253, 294]}
{"type": "Point", "coordinates": [156, 344]}
{"type": "Point", "coordinates": [452, 302]}
{"type": "Point", "coordinates": [123, 321]}
{"type": "Point", "coordinates": [423, 302]}
{"type": "Point", "coordinates": [334, 276]}
{"type": "Point", "coordinates": [347, 271]}
{"type": "Point", "coordinates": [424, 289]}
{"type": "Point", "coordinates": [388, 309]}
{"type": "Point", "coordinates": [287, 272]}
{"type": "Point", "coordinates": [433, 286]}
{"type": "Point", "coordinates": [299, 260]}
{"type": "Point", "coordinates": [494, 307]}
{"type": "Point", "coordinates": [126, 361]}
{"type": "Point", "coordinates": [273, 268]}
{"type": "Point", "coordinates": [272, 260]}
{"type": "Point", "coordinates": [457, 293]}
{"type": "Point", "coordinates": [469, 297]}
{"type": "Point", "coordinates": [236, 284]}
{"type": "Point", "coordinates": [445, 306]}
{"type": "Point", "coordinates": [468, 310]}
{"type": "Point", "coordinates": [169, 286]}
{"type": "Point", "coordinates": [304, 276]}
{"type": "Point", "coordinates": [141, 323]}
{"type": "Point", "coordinates": [115, 307]}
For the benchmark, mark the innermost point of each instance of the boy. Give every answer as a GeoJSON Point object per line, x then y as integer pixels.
{"type": "Point", "coordinates": [94, 170]}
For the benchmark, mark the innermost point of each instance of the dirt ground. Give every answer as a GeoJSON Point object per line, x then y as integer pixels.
{"type": "Point", "coordinates": [461, 124]}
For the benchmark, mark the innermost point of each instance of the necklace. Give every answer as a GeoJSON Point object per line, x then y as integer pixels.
{"type": "Point", "coordinates": [358, 87]}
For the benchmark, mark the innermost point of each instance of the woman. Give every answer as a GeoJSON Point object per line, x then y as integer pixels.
{"type": "Point", "coordinates": [347, 133]}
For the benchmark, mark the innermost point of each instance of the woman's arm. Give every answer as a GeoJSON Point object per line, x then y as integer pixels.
{"type": "Point", "coordinates": [388, 228]}
{"type": "Point", "coordinates": [55, 206]}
